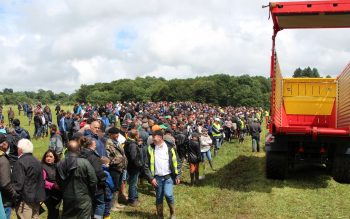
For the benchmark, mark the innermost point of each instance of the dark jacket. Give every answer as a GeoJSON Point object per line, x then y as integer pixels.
{"type": "Point", "coordinates": [95, 160]}
{"type": "Point", "coordinates": [9, 194]}
{"type": "Point", "coordinates": [12, 140]}
{"type": "Point", "coordinates": [134, 155]}
{"type": "Point", "coordinates": [77, 179]}
{"type": "Point", "coordinates": [27, 177]}
{"type": "Point", "coordinates": [50, 180]}
{"type": "Point", "coordinates": [37, 121]}
{"type": "Point", "coordinates": [255, 129]}
{"type": "Point", "coordinates": [22, 133]}
{"type": "Point", "coordinates": [194, 152]}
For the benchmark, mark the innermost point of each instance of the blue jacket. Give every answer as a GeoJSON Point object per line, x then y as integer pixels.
{"type": "Point", "coordinates": [100, 146]}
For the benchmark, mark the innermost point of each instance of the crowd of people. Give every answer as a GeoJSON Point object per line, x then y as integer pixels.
{"type": "Point", "coordinates": [95, 151]}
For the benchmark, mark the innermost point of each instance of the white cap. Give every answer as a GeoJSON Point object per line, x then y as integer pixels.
{"type": "Point", "coordinates": [217, 119]}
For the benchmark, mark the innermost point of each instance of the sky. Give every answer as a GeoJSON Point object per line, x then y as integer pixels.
{"type": "Point", "coordinates": [60, 44]}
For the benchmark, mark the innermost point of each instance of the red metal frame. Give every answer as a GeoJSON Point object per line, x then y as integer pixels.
{"type": "Point", "coordinates": [307, 8]}
{"type": "Point", "coordinates": [303, 8]}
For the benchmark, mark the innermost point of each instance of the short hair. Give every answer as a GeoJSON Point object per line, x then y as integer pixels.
{"type": "Point", "coordinates": [54, 127]}
{"type": "Point", "coordinates": [26, 146]}
{"type": "Point", "coordinates": [133, 133]}
{"type": "Point", "coordinates": [158, 132]}
{"type": "Point", "coordinates": [16, 122]}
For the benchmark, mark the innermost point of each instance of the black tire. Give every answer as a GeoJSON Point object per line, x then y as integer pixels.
{"type": "Point", "coordinates": [341, 168]}
{"type": "Point", "coordinates": [276, 165]}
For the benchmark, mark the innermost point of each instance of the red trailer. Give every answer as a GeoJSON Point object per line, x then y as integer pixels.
{"type": "Point", "coordinates": [310, 117]}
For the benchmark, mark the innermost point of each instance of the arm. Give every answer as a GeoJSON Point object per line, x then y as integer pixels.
{"type": "Point", "coordinates": [146, 168]}
{"type": "Point", "coordinates": [5, 181]}
{"type": "Point", "coordinates": [48, 185]}
{"type": "Point", "coordinates": [18, 176]}
{"type": "Point", "coordinates": [133, 153]}
{"type": "Point", "coordinates": [91, 177]}
{"type": "Point", "coordinates": [179, 165]}
{"type": "Point", "coordinates": [97, 165]}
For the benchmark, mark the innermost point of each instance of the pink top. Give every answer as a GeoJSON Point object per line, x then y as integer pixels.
{"type": "Point", "coordinates": [48, 185]}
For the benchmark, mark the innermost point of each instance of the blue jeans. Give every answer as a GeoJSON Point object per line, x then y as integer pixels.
{"type": "Point", "coordinates": [108, 201]}
{"type": "Point", "coordinates": [255, 144]}
{"type": "Point", "coordinates": [8, 212]}
{"type": "Point", "coordinates": [206, 154]}
{"type": "Point", "coordinates": [164, 188]}
{"type": "Point", "coordinates": [217, 143]}
{"type": "Point", "coordinates": [99, 205]}
{"type": "Point", "coordinates": [133, 178]}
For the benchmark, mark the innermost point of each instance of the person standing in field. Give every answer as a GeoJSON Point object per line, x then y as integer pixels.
{"type": "Point", "coordinates": [77, 180]}
{"type": "Point", "coordinates": [194, 158]}
{"type": "Point", "coordinates": [20, 108]}
{"type": "Point", "coordinates": [9, 194]}
{"type": "Point", "coordinates": [163, 170]}
{"type": "Point", "coordinates": [11, 115]}
{"type": "Point", "coordinates": [53, 192]}
{"type": "Point", "coordinates": [205, 144]}
{"type": "Point", "coordinates": [255, 129]}
{"type": "Point", "coordinates": [28, 181]}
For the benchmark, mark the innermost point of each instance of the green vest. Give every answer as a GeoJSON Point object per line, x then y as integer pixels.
{"type": "Point", "coordinates": [258, 116]}
{"type": "Point", "coordinates": [217, 127]}
{"type": "Point", "coordinates": [242, 124]}
{"type": "Point", "coordinates": [152, 163]}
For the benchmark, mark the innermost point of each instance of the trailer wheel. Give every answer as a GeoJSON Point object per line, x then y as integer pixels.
{"type": "Point", "coordinates": [276, 165]}
{"type": "Point", "coordinates": [341, 168]}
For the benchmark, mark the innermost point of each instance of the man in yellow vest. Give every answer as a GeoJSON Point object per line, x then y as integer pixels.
{"type": "Point", "coordinates": [217, 135]}
{"type": "Point", "coordinates": [163, 170]}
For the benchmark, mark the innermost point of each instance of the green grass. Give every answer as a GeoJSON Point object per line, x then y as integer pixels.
{"type": "Point", "coordinates": [239, 189]}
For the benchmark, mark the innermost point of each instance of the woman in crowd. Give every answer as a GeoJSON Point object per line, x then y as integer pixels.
{"type": "Point", "coordinates": [53, 193]}
{"type": "Point", "coordinates": [205, 144]}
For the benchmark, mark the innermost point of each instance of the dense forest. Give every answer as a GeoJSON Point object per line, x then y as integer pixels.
{"type": "Point", "coordinates": [217, 89]}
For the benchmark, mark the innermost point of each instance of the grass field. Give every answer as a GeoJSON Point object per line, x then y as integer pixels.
{"type": "Point", "coordinates": [239, 189]}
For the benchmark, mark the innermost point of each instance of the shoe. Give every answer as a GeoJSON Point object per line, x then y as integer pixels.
{"type": "Point", "coordinates": [107, 217]}
{"type": "Point", "coordinates": [120, 206]}
{"type": "Point", "coordinates": [153, 193]}
{"type": "Point", "coordinates": [134, 204]}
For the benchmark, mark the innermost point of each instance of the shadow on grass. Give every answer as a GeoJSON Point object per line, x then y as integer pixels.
{"type": "Point", "coordinates": [140, 214]}
{"type": "Point", "coordinates": [247, 173]}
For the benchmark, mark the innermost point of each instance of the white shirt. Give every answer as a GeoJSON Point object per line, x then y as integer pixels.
{"type": "Point", "coordinates": [121, 139]}
{"type": "Point", "coordinates": [161, 160]}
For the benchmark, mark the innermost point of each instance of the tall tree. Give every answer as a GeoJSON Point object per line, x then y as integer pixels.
{"type": "Point", "coordinates": [306, 73]}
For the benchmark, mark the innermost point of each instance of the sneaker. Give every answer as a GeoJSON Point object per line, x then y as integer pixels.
{"type": "Point", "coordinates": [134, 204]}
{"type": "Point", "coordinates": [120, 206]}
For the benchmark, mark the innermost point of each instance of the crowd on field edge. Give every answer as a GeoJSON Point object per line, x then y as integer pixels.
{"type": "Point", "coordinates": [95, 151]}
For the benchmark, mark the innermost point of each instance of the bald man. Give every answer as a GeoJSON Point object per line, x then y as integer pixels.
{"type": "Point", "coordinates": [94, 134]}
{"type": "Point", "coordinates": [77, 179]}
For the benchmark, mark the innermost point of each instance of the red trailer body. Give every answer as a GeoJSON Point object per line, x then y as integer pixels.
{"type": "Point", "coordinates": [310, 118]}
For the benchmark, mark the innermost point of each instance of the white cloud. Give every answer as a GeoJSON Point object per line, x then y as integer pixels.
{"type": "Point", "coordinates": [59, 45]}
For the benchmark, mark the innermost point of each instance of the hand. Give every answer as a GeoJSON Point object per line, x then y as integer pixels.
{"type": "Point", "coordinates": [56, 186]}
{"type": "Point", "coordinates": [154, 183]}
{"type": "Point", "coordinates": [177, 181]}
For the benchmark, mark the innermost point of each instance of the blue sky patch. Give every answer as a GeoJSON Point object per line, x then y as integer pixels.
{"type": "Point", "coordinates": [124, 39]}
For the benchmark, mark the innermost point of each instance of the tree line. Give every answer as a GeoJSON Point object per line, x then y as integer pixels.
{"type": "Point", "coordinates": [217, 89]}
